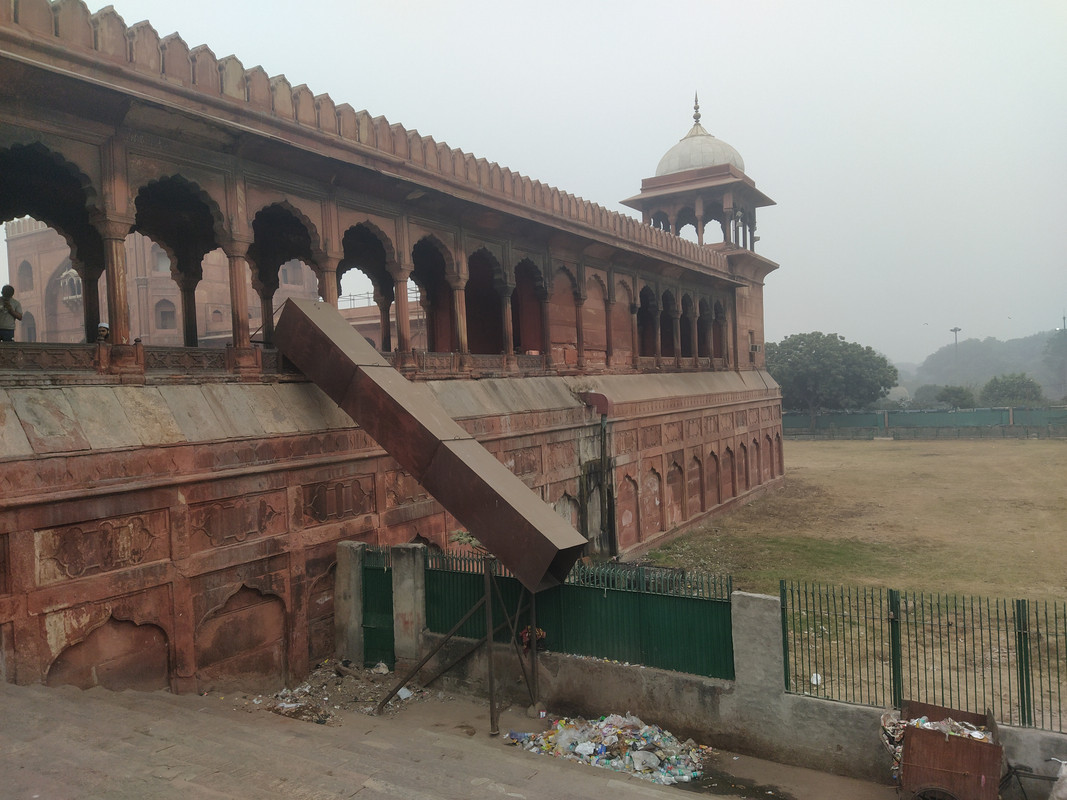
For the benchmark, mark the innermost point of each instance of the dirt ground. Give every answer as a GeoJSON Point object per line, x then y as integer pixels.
{"type": "Point", "coordinates": [977, 517]}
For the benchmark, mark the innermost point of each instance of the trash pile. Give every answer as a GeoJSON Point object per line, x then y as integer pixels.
{"type": "Point", "coordinates": [621, 743]}
{"type": "Point", "coordinates": [893, 728]}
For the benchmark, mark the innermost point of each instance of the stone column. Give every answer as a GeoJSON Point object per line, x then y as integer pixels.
{"type": "Point", "coordinates": [400, 298]}
{"type": "Point", "coordinates": [384, 332]}
{"type": "Point", "coordinates": [327, 274]}
{"type": "Point", "coordinates": [579, 304]}
{"type": "Point", "coordinates": [658, 328]}
{"type": "Point", "coordinates": [187, 285]}
{"type": "Point", "coordinates": [635, 343]}
{"type": "Point", "coordinates": [676, 335]}
{"type": "Point", "coordinates": [509, 329]}
{"type": "Point", "coordinates": [459, 311]}
{"type": "Point", "coordinates": [118, 304]}
{"type": "Point", "coordinates": [236, 254]}
{"type": "Point", "coordinates": [546, 332]}
{"type": "Point", "coordinates": [609, 335]}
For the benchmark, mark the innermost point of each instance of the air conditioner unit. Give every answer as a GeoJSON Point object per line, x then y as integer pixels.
{"type": "Point", "coordinates": [755, 348]}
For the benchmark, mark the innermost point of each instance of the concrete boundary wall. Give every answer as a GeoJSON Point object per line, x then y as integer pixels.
{"type": "Point", "coordinates": [752, 714]}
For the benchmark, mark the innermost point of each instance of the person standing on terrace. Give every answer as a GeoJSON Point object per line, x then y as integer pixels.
{"type": "Point", "coordinates": [10, 312]}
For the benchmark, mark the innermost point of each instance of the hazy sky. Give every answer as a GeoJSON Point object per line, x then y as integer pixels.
{"type": "Point", "coordinates": [917, 150]}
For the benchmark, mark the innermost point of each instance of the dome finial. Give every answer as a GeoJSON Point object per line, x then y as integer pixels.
{"type": "Point", "coordinates": [696, 108]}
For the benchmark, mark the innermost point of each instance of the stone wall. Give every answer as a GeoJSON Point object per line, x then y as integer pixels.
{"type": "Point", "coordinates": [185, 534]}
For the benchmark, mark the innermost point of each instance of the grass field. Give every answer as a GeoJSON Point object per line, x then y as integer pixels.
{"type": "Point", "coordinates": [975, 517]}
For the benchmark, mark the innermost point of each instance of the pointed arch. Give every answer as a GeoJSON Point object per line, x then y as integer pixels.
{"type": "Point", "coordinates": [647, 322]}
{"type": "Point", "coordinates": [485, 317]}
{"type": "Point", "coordinates": [563, 317]}
{"type": "Point", "coordinates": [628, 521]}
{"type": "Point", "coordinates": [526, 300]}
{"type": "Point", "coordinates": [433, 264]}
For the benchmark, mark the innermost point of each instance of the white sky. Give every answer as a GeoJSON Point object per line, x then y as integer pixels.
{"type": "Point", "coordinates": [917, 149]}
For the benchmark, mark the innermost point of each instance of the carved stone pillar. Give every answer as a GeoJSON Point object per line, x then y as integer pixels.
{"type": "Point", "coordinates": [546, 333]}
{"type": "Point", "coordinates": [384, 333]}
{"type": "Point", "coordinates": [236, 254]}
{"type": "Point", "coordinates": [459, 312]}
{"type": "Point", "coordinates": [187, 287]}
{"type": "Point", "coordinates": [676, 335]}
{"type": "Point", "coordinates": [505, 315]}
{"type": "Point", "coordinates": [609, 337]}
{"type": "Point", "coordinates": [400, 298]}
{"type": "Point", "coordinates": [635, 343]}
{"type": "Point", "coordinates": [327, 275]}
{"type": "Point", "coordinates": [114, 233]}
{"type": "Point", "coordinates": [579, 304]}
{"type": "Point", "coordinates": [658, 328]}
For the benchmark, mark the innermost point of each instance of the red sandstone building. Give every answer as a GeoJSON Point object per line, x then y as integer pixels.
{"type": "Point", "coordinates": [171, 501]}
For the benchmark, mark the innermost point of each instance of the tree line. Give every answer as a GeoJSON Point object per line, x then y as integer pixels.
{"type": "Point", "coordinates": [824, 372]}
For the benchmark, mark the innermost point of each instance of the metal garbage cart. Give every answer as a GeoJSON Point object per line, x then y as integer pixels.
{"type": "Point", "coordinates": [935, 765]}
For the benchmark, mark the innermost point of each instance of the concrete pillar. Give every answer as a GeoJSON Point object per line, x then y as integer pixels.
{"type": "Point", "coordinates": [348, 602]}
{"type": "Point", "coordinates": [409, 600]}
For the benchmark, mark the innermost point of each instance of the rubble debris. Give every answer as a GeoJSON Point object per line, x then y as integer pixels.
{"type": "Point", "coordinates": [333, 686]}
{"type": "Point", "coordinates": [619, 742]}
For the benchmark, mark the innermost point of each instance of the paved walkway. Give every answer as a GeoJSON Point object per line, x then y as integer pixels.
{"type": "Point", "coordinates": [64, 743]}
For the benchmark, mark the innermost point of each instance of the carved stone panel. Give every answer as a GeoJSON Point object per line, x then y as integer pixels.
{"type": "Point", "coordinates": [341, 498]}
{"type": "Point", "coordinates": [692, 428]}
{"type": "Point", "coordinates": [523, 460]}
{"type": "Point", "coordinates": [75, 551]}
{"type": "Point", "coordinates": [672, 432]}
{"type": "Point", "coordinates": [651, 436]}
{"type": "Point", "coordinates": [401, 489]}
{"type": "Point", "coordinates": [625, 443]}
{"type": "Point", "coordinates": [237, 519]}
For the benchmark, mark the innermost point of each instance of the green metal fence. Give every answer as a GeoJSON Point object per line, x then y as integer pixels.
{"type": "Point", "coordinates": [879, 646]}
{"type": "Point", "coordinates": [672, 619]}
{"type": "Point", "coordinates": [378, 638]}
{"type": "Point", "coordinates": [971, 423]}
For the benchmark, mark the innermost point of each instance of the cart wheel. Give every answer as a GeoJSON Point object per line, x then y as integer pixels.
{"type": "Point", "coordinates": [933, 793]}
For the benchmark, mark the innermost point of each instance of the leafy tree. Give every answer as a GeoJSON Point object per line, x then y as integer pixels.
{"type": "Point", "coordinates": [926, 396]}
{"type": "Point", "coordinates": [823, 371]}
{"type": "Point", "coordinates": [957, 397]}
{"type": "Point", "coordinates": [1016, 389]}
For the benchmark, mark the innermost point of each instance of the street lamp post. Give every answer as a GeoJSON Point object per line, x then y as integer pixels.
{"type": "Point", "coordinates": [956, 351]}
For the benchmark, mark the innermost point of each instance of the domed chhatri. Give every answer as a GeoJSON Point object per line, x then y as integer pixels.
{"type": "Point", "coordinates": [698, 149]}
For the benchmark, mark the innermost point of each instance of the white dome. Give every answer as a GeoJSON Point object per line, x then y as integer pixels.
{"type": "Point", "coordinates": [698, 149]}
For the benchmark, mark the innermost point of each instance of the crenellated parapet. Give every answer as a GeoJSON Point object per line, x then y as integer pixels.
{"type": "Point", "coordinates": [104, 41]}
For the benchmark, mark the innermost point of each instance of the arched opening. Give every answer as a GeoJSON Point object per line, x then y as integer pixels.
{"type": "Point", "coordinates": [744, 470]}
{"type": "Point", "coordinates": [668, 313]}
{"type": "Point", "coordinates": [364, 281]}
{"type": "Point", "coordinates": [118, 655]}
{"type": "Point", "coordinates": [647, 323]}
{"type": "Point", "coordinates": [626, 510]}
{"type": "Point", "coordinates": [686, 326]}
{"type": "Point", "coordinates": [694, 488]}
{"type": "Point", "coordinates": [714, 481]}
{"type": "Point", "coordinates": [435, 295]}
{"type": "Point", "coordinates": [567, 507]}
{"type": "Point", "coordinates": [703, 330]}
{"type": "Point", "coordinates": [166, 317]}
{"type": "Point", "coordinates": [242, 644]}
{"type": "Point", "coordinates": [729, 475]}
{"type": "Point", "coordinates": [42, 190]}
{"type": "Point", "coordinates": [280, 236]}
{"type": "Point", "coordinates": [485, 318]}
{"type": "Point", "coordinates": [675, 496]}
{"type": "Point", "coordinates": [651, 503]}
{"type": "Point", "coordinates": [526, 308]}
{"type": "Point", "coordinates": [24, 280]}
{"type": "Point", "coordinates": [718, 332]}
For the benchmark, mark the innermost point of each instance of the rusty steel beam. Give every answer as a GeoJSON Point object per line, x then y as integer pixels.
{"type": "Point", "coordinates": [405, 419]}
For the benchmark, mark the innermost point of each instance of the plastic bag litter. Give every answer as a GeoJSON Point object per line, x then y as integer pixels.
{"type": "Point", "coordinates": [618, 742]}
